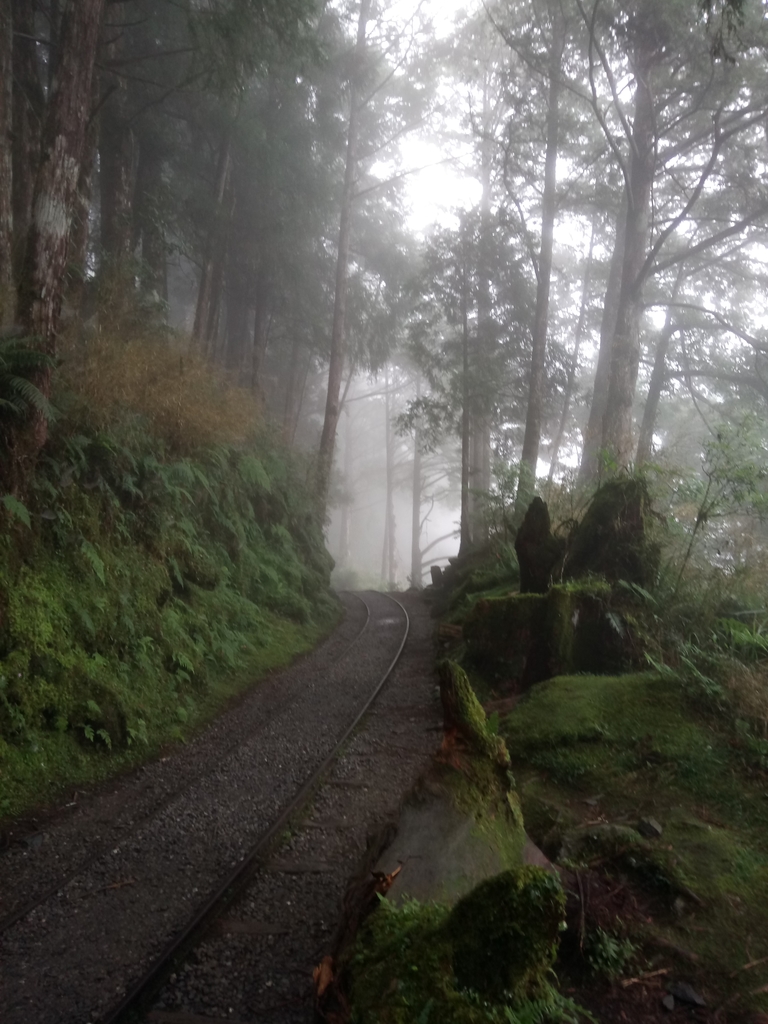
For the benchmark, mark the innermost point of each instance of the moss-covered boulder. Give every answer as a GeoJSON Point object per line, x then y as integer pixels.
{"type": "Point", "coordinates": [614, 539]}
{"type": "Point", "coordinates": [505, 934]}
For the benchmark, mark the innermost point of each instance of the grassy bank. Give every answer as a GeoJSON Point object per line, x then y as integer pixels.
{"type": "Point", "coordinates": [164, 556]}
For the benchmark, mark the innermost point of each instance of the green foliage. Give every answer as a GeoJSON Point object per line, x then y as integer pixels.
{"type": "Point", "coordinates": [608, 955]}
{"type": "Point", "coordinates": [18, 365]}
{"type": "Point", "coordinates": [148, 588]}
{"type": "Point", "coordinates": [15, 508]}
{"type": "Point", "coordinates": [734, 475]}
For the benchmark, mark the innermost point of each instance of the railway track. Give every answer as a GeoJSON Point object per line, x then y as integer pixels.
{"type": "Point", "coordinates": [124, 920]}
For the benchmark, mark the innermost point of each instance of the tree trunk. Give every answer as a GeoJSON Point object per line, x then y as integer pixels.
{"type": "Point", "coordinates": [465, 536]}
{"type": "Point", "coordinates": [416, 565]}
{"type": "Point", "coordinates": [593, 433]}
{"type": "Point", "coordinates": [574, 364]}
{"type": "Point", "coordinates": [117, 163]}
{"type": "Point", "coordinates": [148, 235]}
{"type": "Point", "coordinates": [69, 108]}
{"type": "Point", "coordinates": [336, 366]}
{"type": "Point", "coordinates": [536, 380]}
{"type": "Point", "coordinates": [389, 560]}
{"type": "Point", "coordinates": [7, 298]}
{"type": "Point", "coordinates": [213, 252]}
{"type": "Point", "coordinates": [658, 379]}
{"type": "Point", "coordinates": [625, 353]}
{"type": "Point", "coordinates": [480, 461]}
{"type": "Point", "coordinates": [346, 507]}
{"type": "Point", "coordinates": [294, 398]}
{"type": "Point", "coordinates": [260, 330]}
{"type": "Point", "coordinates": [80, 231]}
{"type": "Point", "coordinates": [28, 116]}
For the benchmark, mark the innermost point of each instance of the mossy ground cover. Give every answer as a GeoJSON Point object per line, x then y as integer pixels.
{"type": "Point", "coordinates": [140, 589]}
{"type": "Point", "coordinates": [594, 755]}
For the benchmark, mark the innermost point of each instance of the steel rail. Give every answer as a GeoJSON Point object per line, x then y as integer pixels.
{"type": "Point", "coordinates": [135, 1000]}
{"type": "Point", "coordinates": [18, 915]}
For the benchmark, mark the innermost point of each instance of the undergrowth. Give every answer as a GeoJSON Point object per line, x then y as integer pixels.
{"type": "Point", "coordinates": [146, 577]}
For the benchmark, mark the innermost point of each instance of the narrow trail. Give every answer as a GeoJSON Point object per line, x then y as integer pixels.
{"type": "Point", "coordinates": [132, 865]}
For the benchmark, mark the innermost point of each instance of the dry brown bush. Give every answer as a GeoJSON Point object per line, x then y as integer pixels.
{"type": "Point", "coordinates": [185, 401]}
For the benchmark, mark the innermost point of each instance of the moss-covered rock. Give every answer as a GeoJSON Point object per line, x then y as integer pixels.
{"type": "Point", "coordinates": [505, 934]}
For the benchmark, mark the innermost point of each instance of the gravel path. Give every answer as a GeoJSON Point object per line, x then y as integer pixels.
{"type": "Point", "coordinates": [141, 854]}
{"type": "Point", "coordinates": [257, 963]}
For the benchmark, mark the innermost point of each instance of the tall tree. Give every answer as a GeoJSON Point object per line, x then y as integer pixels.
{"type": "Point", "coordinates": [336, 366]}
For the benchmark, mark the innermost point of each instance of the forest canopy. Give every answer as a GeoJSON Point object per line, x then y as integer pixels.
{"type": "Point", "coordinates": [234, 181]}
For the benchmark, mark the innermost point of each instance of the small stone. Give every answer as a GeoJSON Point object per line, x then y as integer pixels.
{"type": "Point", "coordinates": [649, 828]}
{"type": "Point", "coordinates": [686, 994]}
{"type": "Point", "coordinates": [668, 1002]}
{"type": "Point", "coordinates": [593, 801]}
{"type": "Point", "coordinates": [679, 907]}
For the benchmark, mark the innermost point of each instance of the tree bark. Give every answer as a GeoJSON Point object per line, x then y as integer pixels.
{"type": "Point", "coordinates": [480, 427]}
{"type": "Point", "coordinates": [658, 379]}
{"type": "Point", "coordinates": [213, 256]}
{"type": "Point", "coordinates": [69, 109]}
{"type": "Point", "coordinates": [574, 364]}
{"type": "Point", "coordinates": [593, 433]}
{"type": "Point", "coordinates": [117, 155]}
{"type": "Point", "coordinates": [294, 396]}
{"type": "Point", "coordinates": [416, 564]}
{"type": "Point", "coordinates": [7, 298]}
{"type": "Point", "coordinates": [625, 353]}
{"type": "Point", "coordinates": [336, 366]}
{"type": "Point", "coordinates": [388, 559]}
{"type": "Point", "coordinates": [77, 258]}
{"type": "Point", "coordinates": [536, 380]}
{"type": "Point", "coordinates": [465, 535]}
{"type": "Point", "coordinates": [260, 330]}
{"type": "Point", "coordinates": [28, 116]}
{"type": "Point", "coordinates": [148, 235]}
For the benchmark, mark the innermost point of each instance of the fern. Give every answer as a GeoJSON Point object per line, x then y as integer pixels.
{"type": "Point", "coordinates": [16, 509]}
{"type": "Point", "coordinates": [94, 559]}
{"type": "Point", "coordinates": [253, 473]}
{"type": "Point", "coordinates": [18, 363]}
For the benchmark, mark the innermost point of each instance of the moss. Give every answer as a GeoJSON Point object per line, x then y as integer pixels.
{"type": "Point", "coordinates": [464, 715]}
{"type": "Point", "coordinates": [524, 638]}
{"type": "Point", "coordinates": [499, 633]}
{"type": "Point", "coordinates": [621, 748]}
{"type": "Point", "coordinates": [614, 539]}
{"type": "Point", "coordinates": [401, 969]}
{"type": "Point", "coordinates": [505, 934]}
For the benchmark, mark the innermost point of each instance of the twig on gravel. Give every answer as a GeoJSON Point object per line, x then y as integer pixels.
{"type": "Point", "coordinates": [116, 885]}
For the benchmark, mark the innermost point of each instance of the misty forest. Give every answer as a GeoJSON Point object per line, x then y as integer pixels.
{"type": "Point", "coordinates": [309, 296]}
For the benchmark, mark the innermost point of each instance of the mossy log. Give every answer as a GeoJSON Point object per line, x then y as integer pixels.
{"type": "Point", "coordinates": [463, 715]}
